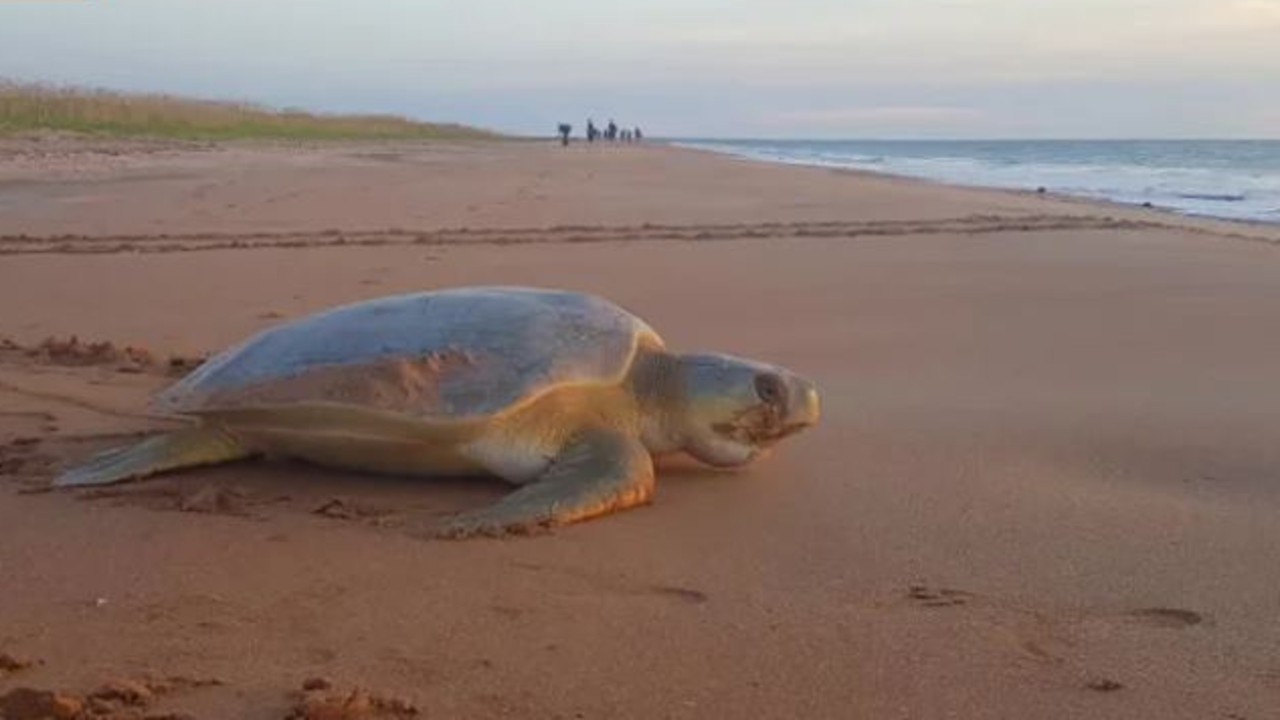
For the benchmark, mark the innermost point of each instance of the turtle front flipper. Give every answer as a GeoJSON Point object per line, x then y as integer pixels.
{"type": "Point", "coordinates": [599, 472]}
{"type": "Point", "coordinates": [187, 448]}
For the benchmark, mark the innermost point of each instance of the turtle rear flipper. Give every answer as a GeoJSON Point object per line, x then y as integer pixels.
{"type": "Point", "coordinates": [189, 448]}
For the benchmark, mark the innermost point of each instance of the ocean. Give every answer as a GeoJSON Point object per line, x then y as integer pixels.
{"type": "Point", "coordinates": [1235, 179]}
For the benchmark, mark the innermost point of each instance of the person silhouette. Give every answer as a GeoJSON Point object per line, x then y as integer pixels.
{"type": "Point", "coordinates": [565, 129]}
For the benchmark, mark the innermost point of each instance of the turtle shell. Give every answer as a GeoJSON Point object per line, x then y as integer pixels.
{"type": "Point", "coordinates": [453, 354]}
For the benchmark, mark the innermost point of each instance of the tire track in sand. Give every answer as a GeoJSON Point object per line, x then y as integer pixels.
{"type": "Point", "coordinates": [21, 244]}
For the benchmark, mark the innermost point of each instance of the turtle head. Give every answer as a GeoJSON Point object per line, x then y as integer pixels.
{"type": "Point", "coordinates": [734, 409]}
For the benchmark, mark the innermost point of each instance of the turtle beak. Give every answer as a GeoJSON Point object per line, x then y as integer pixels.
{"type": "Point", "coordinates": [804, 408]}
{"type": "Point", "coordinates": [802, 411]}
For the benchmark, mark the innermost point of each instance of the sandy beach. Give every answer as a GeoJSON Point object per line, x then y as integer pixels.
{"type": "Point", "coordinates": [1045, 484]}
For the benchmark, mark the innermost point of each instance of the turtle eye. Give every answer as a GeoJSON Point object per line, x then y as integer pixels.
{"type": "Point", "coordinates": [770, 389]}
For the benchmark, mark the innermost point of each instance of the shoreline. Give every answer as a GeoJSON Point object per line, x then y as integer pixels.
{"type": "Point", "coordinates": [1232, 228]}
{"type": "Point", "coordinates": [704, 146]}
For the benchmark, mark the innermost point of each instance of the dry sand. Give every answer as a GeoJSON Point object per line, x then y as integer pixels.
{"type": "Point", "coordinates": [1045, 486]}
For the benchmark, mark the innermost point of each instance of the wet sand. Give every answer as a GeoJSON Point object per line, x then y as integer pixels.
{"type": "Point", "coordinates": [1045, 484]}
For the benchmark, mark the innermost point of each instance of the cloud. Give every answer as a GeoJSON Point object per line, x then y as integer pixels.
{"type": "Point", "coordinates": [1243, 14]}
{"type": "Point", "coordinates": [855, 116]}
{"type": "Point", "coordinates": [874, 120]}
{"type": "Point", "coordinates": [1267, 120]}
{"type": "Point", "coordinates": [949, 41]}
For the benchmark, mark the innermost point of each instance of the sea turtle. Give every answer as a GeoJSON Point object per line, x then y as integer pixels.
{"type": "Point", "coordinates": [562, 393]}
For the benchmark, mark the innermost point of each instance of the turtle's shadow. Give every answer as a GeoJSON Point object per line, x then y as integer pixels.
{"type": "Point", "coordinates": [262, 489]}
{"type": "Point", "coordinates": [685, 468]}
{"type": "Point", "coordinates": [443, 493]}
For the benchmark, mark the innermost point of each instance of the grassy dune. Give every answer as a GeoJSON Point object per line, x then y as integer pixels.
{"type": "Point", "coordinates": [26, 107]}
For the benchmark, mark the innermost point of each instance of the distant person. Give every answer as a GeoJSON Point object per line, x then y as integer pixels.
{"type": "Point", "coordinates": [639, 135]}
{"type": "Point", "coordinates": [565, 129]}
{"type": "Point", "coordinates": [611, 133]}
{"type": "Point", "coordinates": [592, 131]}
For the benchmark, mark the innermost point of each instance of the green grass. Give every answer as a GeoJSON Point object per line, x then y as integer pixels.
{"type": "Point", "coordinates": [26, 107]}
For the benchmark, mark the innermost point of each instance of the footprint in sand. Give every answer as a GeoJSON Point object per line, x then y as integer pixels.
{"type": "Point", "coordinates": [510, 612]}
{"type": "Point", "coordinates": [622, 586]}
{"type": "Point", "coordinates": [1028, 636]}
{"type": "Point", "coordinates": [925, 596]}
{"type": "Point", "coordinates": [1163, 617]}
{"type": "Point", "coordinates": [695, 597]}
{"type": "Point", "coordinates": [1104, 685]}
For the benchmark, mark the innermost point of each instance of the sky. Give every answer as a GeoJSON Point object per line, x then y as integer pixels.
{"type": "Point", "coordinates": [692, 68]}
